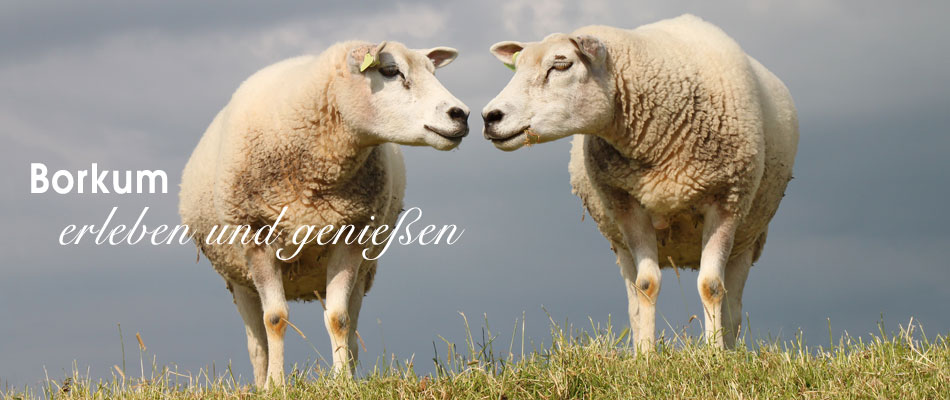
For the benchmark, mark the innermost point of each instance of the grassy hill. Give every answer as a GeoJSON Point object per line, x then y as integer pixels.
{"type": "Point", "coordinates": [581, 364]}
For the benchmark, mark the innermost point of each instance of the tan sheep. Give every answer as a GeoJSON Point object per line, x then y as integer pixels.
{"type": "Point", "coordinates": [688, 144]}
{"type": "Point", "coordinates": [315, 134]}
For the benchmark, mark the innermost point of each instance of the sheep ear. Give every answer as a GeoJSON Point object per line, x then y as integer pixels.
{"type": "Point", "coordinates": [440, 56]}
{"type": "Point", "coordinates": [365, 56]}
{"type": "Point", "coordinates": [378, 49]}
{"type": "Point", "coordinates": [505, 51]}
{"type": "Point", "coordinates": [591, 48]}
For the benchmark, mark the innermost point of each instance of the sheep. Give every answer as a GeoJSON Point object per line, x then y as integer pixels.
{"type": "Point", "coordinates": [685, 146]}
{"type": "Point", "coordinates": [317, 135]}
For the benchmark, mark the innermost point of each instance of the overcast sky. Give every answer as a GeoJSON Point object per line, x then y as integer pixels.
{"type": "Point", "coordinates": [861, 232]}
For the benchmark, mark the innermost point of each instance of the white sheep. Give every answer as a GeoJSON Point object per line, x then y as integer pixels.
{"type": "Point", "coordinates": [688, 146]}
{"type": "Point", "coordinates": [314, 134]}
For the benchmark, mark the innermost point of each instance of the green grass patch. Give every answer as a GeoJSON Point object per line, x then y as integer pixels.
{"type": "Point", "coordinates": [585, 363]}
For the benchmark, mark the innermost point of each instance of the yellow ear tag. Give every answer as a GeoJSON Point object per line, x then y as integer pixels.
{"type": "Point", "coordinates": [368, 61]}
{"type": "Point", "coordinates": [514, 61]}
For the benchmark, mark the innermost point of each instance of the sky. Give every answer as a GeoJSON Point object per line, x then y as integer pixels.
{"type": "Point", "coordinates": [859, 235]}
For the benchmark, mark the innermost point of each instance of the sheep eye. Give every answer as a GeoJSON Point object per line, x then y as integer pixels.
{"type": "Point", "coordinates": [389, 71]}
{"type": "Point", "coordinates": [562, 66]}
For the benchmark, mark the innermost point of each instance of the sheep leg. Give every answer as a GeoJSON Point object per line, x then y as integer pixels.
{"type": "Point", "coordinates": [266, 274]}
{"type": "Point", "coordinates": [737, 270]}
{"type": "Point", "coordinates": [249, 305]}
{"type": "Point", "coordinates": [637, 228]}
{"type": "Point", "coordinates": [342, 277]}
{"type": "Point", "coordinates": [628, 270]}
{"type": "Point", "coordinates": [718, 234]}
{"type": "Point", "coordinates": [353, 311]}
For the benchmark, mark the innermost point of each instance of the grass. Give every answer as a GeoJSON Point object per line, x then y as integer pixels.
{"type": "Point", "coordinates": [593, 362]}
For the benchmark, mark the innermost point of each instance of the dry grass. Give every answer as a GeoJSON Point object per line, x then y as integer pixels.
{"type": "Point", "coordinates": [589, 363]}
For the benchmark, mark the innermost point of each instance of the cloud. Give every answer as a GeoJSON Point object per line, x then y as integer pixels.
{"type": "Point", "coordinates": [312, 35]}
{"type": "Point", "coordinates": [536, 18]}
{"type": "Point", "coordinates": [120, 96]}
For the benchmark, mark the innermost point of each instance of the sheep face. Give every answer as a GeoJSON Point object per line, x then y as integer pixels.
{"type": "Point", "coordinates": [390, 94]}
{"type": "Point", "coordinates": [561, 87]}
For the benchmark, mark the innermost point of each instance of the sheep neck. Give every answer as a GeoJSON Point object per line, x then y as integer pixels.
{"type": "Point", "coordinates": [657, 105]}
{"type": "Point", "coordinates": [334, 150]}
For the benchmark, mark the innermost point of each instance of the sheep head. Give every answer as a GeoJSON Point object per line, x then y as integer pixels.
{"type": "Point", "coordinates": [390, 94]}
{"type": "Point", "coordinates": [560, 87]}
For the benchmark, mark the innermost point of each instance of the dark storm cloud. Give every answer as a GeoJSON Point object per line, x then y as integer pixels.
{"type": "Point", "coordinates": [29, 28]}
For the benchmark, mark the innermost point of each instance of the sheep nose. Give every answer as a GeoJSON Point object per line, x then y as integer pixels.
{"type": "Point", "coordinates": [458, 115]}
{"type": "Point", "coordinates": [493, 117]}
